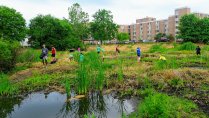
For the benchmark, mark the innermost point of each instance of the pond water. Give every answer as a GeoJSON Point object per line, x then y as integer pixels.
{"type": "Point", "coordinates": [54, 105]}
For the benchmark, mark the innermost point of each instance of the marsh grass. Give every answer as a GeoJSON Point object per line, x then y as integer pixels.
{"type": "Point", "coordinates": [164, 106]}
{"type": "Point", "coordinates": [120, 70]}
{"type": "Point", "coordinates": [91, 73]}
{"type": "Point", "coordinates": [36, 82]}
{"type": "Point", "coordinates": [82, 79]}
{"type": "Point", "coordinates": [6, 88]}
{"type": "Point", "coordinates": [28, 55]}
{"type": "Point", "coordinates": [187, 46]}
{"type": "Point", "coordinates": [170, 63]}
{"type": "Point", "coordinates": [67, 88]}
{"type": "Point", "coordinates": [157, 48]}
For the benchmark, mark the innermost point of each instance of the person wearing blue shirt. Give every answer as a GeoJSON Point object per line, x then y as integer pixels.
{"type": "Point", "coordinates": [138, 51]}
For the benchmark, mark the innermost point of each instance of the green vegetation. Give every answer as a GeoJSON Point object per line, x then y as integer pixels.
{"type": "Point", "coordinates": [79, 21]}
{"type": "Point", "coordinates": [28, 55]}
{"type": "Point", "coordinates": [6, 88]}
{"type": "Point", "coordinates": [123, 36]}
{"type": "Point", "coordinates": [67, 88]}
{"type": "Point", "coordinates": [161, 105]}
{"type": "Point", "coordinates": [174, 76]}
{"type": "Point", "coordinates": [13, 25]}
{"type": "Point", "coordinates": [102, 21]}
{"type": "Point", "coordinates": [90, 73]}
{"type": "Point", "coordinates": [187, 46]}
{"type": "Point", "coordinates": [194, 29]}
{"type": "Point", "coordinates": [157, 48]}
{"type": "Point", "coordinates": [8, 54]}
{"type": "Point", "coordinates": [55, 32]}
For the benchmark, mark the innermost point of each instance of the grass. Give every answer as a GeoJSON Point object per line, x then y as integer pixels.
{"type": "Point", "coordinates": [159, 105]}
{"type": "Point", "coordinates": [157, 48]}
{"type": "Point", "coordinates": [6, 88]}
{"type": "Point", "coordinates": [187, 46]}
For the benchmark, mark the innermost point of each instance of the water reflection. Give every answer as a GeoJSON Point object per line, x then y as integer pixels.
{"type": "Point", "coordinates": [7, 105]}
{"type": "Point", "coordinates": [53, 105]}
{"type": "Point", "coordinates": [93, 103]}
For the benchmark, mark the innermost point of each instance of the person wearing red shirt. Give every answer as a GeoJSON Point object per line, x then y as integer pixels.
{"type": "Point", "coordinates": [53, 53]}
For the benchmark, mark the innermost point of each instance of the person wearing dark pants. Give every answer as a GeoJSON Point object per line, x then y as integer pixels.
{"type": "Point", "coordinates": [198, 49]}
{"type": "Point", "coordinates": [44, 54]}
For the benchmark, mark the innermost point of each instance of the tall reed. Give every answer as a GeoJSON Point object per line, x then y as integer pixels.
{"type": "Point", "coordinates": [120, 70]}
{"type": "Point", "coordinates": [67, 88]}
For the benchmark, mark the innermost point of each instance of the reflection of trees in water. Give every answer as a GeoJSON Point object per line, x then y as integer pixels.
{"type": "Point", "coordinates": [121, 106]}
{"type": "Point", "coordinates": [93, 103]}
{"type": "Point", "coordinates": [7, 106]}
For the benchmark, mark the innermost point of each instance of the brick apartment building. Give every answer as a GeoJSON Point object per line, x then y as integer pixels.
{"type": "Point", "coordinates": [147, 28]}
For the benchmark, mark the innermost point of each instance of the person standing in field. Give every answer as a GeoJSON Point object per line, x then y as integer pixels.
{"type": "Point", "coordinates": [98, 49]}
{"type": "Point", "coordinates": [81, 58]}
{"type": "Point", "coordinates": [79, 49]}
{"type": "Point", "coordinates": [44, 53]}
{"type": "Point", "coordinates": [117, 49]}
{"type": "Point", "coordinates": [198, 49]}
{"type": "Point", "coordinates": [53, 53]}
{"type": "Point", "coordinates": [138, 52]}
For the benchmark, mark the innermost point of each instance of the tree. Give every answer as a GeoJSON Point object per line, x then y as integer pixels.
{"type": "Point", "coordinates": [123, 36]}
{"type": "Point", "coordinates": [103, 28]}
{"type": "Point", "coordinates": [194, 29]}
{"type": "Point", "coordinates": [170, 37]}
{"type": "Point", "coordinates": [159, 36]}
{"type": "Point", "coordinates": [187, 28]}
{"type": "Point", "coordinates": [79, 21]}
{"type": "Point", "coordinates": [52, 31]}
{"type": "Point", "coordinates": [12, 24]}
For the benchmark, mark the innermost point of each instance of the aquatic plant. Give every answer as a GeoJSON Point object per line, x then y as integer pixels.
{"type": "Point", "coordinates": [82, 79]}
{"type": "Point", "coordinates": [67, 88]}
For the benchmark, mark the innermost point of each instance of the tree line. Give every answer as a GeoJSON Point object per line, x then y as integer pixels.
{"type": "Point", "coordinates": [63, 33]}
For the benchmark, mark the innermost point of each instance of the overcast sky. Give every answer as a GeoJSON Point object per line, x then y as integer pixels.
{"type": "Point", "coordinates": [124, 11]}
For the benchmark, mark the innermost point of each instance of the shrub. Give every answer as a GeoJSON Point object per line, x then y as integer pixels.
{"type": "Point", "coordinates": [28, 55]}
{"type": "Point", "coordinates": [187, 46]}
{"type": "Point", "coordinates": [157, 48]}
{"type": "Point", "coordinates": [163, 106]}
{"type": "Point", "coordinates": [8, 54]}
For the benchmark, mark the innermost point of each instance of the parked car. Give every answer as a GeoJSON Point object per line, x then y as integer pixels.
{"type": "Point", "coordinates": [163, 39]}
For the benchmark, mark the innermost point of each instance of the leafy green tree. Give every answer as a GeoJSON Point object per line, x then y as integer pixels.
{"type": "Point", "coordinates": [12, 24]}
{"type": "Point", "coordinates": [203, 30]}
{"type": "Point", "coordinates": [194, 29]}
{"type": "Point", "coordinates": [79, 21]}
{"type": "Point", "coordinates": [159, 36]}
{"type": "Point", "coordinates": [52, 31]}
{"type": "Point", "coordinates": [103, 28]}
{"type": "Point", "coordinates": [123, 36]}
{"type": "Point", "coordinates": [187, 28]}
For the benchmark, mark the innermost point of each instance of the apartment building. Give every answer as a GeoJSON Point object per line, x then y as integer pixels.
{"type": "Point", "coordinates": [147, 28]}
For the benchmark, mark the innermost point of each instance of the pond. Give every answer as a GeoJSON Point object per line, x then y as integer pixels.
{"type": "Point", "coordinates": [54, 105]}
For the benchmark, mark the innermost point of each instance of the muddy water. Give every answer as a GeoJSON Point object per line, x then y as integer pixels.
{"type": "Point", "coordinates": [53, 105]}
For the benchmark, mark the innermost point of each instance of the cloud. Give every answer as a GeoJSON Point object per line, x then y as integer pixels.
{"type": "Point", "coordinates": [124, 11]}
